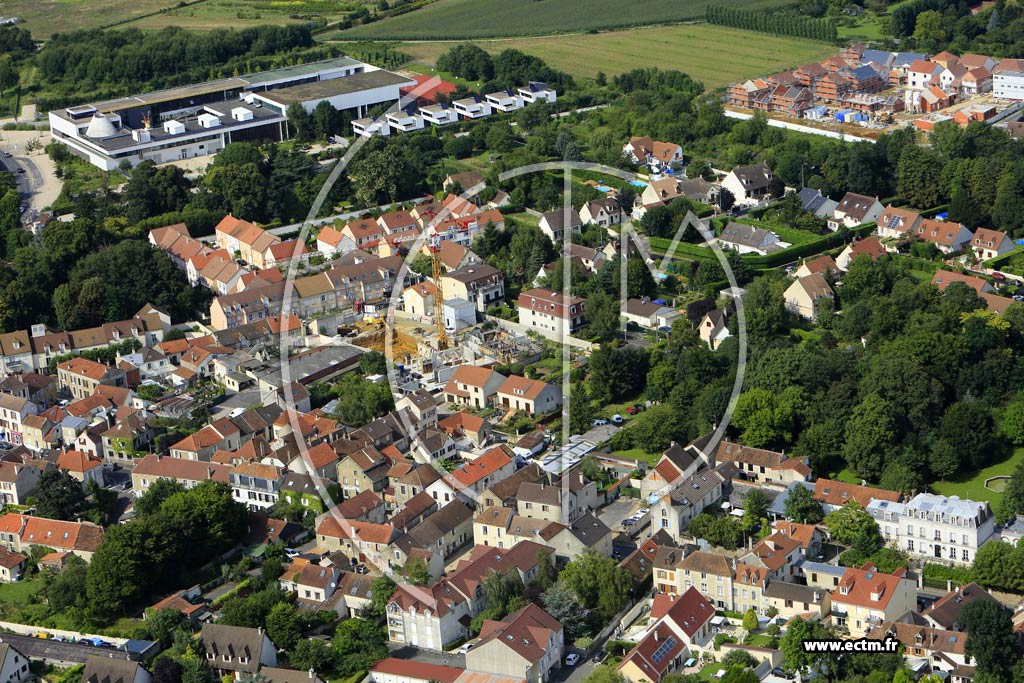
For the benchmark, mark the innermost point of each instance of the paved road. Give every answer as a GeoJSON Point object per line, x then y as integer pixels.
{"type": "Point", "coordinates": [56, 651]}
{"type": "Point", "coordinates": [24, 180]}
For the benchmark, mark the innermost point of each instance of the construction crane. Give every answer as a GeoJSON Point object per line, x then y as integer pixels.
{"type": "Point", "coordinates": [443, 342]}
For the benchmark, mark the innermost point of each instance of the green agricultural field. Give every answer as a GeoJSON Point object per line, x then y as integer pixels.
{"type": "Point", "coordinates": [454, 19]}
{"type": "Point", "coordinates": [738, 54]}
{"type": "Point", "coordinates": [46, 17]}
{"type": "Point", "coordinates": [214, 14]}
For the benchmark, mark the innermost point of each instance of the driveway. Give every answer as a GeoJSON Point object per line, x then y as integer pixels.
{"type": "Point", "coordinates": [574, 674]}
{"type": "Point", "coordinates": [618, 510]}
{"type": "Point", "coordinates": [243, 399]}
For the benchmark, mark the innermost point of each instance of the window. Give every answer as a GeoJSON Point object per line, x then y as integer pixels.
{"type": "Point", "coordinates": [965, 555]}
{"type": "Point", "coordinates": [910, 546]}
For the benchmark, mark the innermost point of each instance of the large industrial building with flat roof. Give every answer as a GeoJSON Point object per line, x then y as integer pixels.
{"type": "Point", "coordinates": [200, 119]}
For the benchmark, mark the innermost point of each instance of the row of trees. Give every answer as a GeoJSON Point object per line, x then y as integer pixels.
{"type": "Point", "coordinates": [509, 69]}
{"type": "Point", "coordinates": [778, 23]}
{"type": "Point", "coordinates": [86, 64]}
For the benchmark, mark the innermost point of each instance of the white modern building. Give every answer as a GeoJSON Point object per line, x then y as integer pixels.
{"type": "Point", "coordinates": [201, 119]}
{"type": "Point", "coordinates": [438, 114]}
{"type": "Point", "coordinates": [505, 101]}
{"type": "Point", "coordinates": [472, 108]}
{"type": "Point", "coordinates": [1008, 79]}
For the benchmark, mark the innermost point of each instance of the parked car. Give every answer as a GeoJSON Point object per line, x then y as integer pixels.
{"type": "Point", "coordinates": [617, 419]}
{"type": "Point", "coordinates": [361, 569]}
{"type": "Point", "coordinates": [597, 658]}
{"type": "Point", "coordinates": [782, 673]}
{"type": "Point", "coordinates": [644, 511]}
{"type": "Point", "coordinates": [20, 170]}
{"type": "Point", "coordinates": [572, 659]}
{"type": "Point", "coordinates": [43, 634]}
{"type": "Point", "coordinates": [600, 421]}
{"type": "Point", "coordinates": [292, 553]}
{"type": "Point", "coordinates": [466, 647]}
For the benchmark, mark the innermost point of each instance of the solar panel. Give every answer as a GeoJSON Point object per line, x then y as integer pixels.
{"type": "Point", "coordinates": [663, 650]}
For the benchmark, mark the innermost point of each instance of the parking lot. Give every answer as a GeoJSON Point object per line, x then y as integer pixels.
{"type": "Point", "coordinates": [618, 510]}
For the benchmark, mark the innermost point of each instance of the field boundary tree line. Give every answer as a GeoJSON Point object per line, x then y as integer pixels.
{"type": "Point", "coordinates": [777, 23]}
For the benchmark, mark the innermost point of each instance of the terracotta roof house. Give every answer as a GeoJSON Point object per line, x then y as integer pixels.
{"type": "Point", "coordinates": [944, 278]}
{"type": "Point", "coordinates": [948, 236]}
{"type": "Point", "coordinates": [835, 494]}
{"type": "Point", "coordinates": [677, 462]}
{"type": "Point", "coordinates": [989, 244]}
{"type": "Point", "coordinates": [684, 627]}
{"type": "Point", "coordinates": [823, 264]}
{"type": "Point", "coordinates": [530, 396]}
{"type": "Point", "coordinates": [869, 246]}
{"type": "Point", "coordinates": [895, 222]}
{"type": "Point", "coordinates": [866, 598]}
{"type": "Point", "coordinates": [473, 386]}
{"type": "Point", "coordinates": [81, 466]}
{"type": "Point", "coordinates": [22, 532]}
{"type": "Point", "coordinates": [80, 377]}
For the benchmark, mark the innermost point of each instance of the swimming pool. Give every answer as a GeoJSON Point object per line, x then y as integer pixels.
{"type": "Point", "coordinates": [603, 188]}
{"type": "Point", "coordinates": [637, 183]}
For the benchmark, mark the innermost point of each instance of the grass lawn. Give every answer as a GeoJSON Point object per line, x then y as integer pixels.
{"type": "Point", "coordinates": [19, 594]}
{"type": "Point", "coordinates": [792, 235]}
{"type": "Point", "coordinates": [921, 275]}
{"type": "Point", "coordinates": [709, 671]}
{"type": "Point", "coordinates": [459, 19]}
{"type": "Point", "coordinates": [638, 454]}
{"type": "Point", "coordinates": [524, 218]}
{"type": "Point", "coordinates": [684, 47]}
{"type": "Point", "coordinates": [845, 475]}
{"type": "Point", "coordinates": [804, 335]}
{"type": "Point", "coordinates": [759, 640]}
{"type": "Point", "coordinates": [973, 487]}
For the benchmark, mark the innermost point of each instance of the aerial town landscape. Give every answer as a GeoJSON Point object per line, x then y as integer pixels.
{"type": "Point", "coordinates": [512, 341]}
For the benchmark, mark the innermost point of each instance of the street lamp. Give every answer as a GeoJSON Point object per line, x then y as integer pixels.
{"type": "Point", "coordinates": [803, 166]}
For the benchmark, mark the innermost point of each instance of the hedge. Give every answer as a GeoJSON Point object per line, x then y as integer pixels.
{"type": "Point", "coordinates": [788, 255]}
